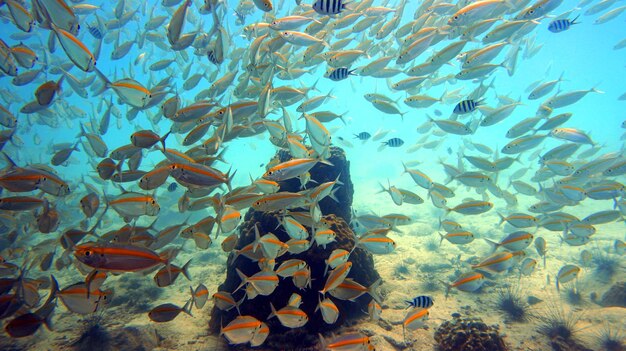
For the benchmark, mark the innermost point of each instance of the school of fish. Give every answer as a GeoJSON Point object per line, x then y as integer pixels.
{"type": "Point", "coordinates": [248, 77]}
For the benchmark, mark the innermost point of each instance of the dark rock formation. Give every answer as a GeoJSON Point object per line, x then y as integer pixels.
{"type": "Point", "coordinates": [468, 335]}
{"type": "Point", "coordinates": [615, 296]}
{"type": "Point", "coordinates": [323, 173]}
{"type": "Point", "coordinates": [336, 215]}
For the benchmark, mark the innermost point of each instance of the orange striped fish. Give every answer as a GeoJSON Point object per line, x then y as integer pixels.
{"type": "Point", "coordinates": [118, 257]}
{"type": "Point", "coordinates": [75, 50]}
{"type": "Point", "coordinates": [132, 204]}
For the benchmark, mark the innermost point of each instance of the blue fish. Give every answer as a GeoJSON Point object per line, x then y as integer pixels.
{"type": "Point", "coordinates": [363, 136]}
{"type": "Point", "coordinates": [172, 187]}
{"type": "Point", "coordinates": [561, 25]}
{"type": "Point", "coordinates": [95, 31]}
{"type": "Point", "coordinates": [466, 106]}
{"type": "Point", "coordinates": [340, 73]}
{"type": "Point", "coordinates": [394, 142]}
{"type": "Point", "coordinates": [422, 301]}
{"type": "Point", "coordinates": [329, 7]}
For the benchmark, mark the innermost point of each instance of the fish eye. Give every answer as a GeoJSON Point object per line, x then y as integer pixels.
{"type": "Point", "coordinates": [455, 18]}
{"type": "Point", "coordinates": [88, 253]}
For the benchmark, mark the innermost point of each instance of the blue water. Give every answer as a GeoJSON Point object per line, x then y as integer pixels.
{"type": "Point", "coordinates": [583, 54]}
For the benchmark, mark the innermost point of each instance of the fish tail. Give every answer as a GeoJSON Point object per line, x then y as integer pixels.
{"type": "Point", "coordinates": [185, 270]}
{"type": "Point", "coordinates": [229, 179]}
{"type": "Point", "coordinates": [382, 188]}
{"type": "Point", "coordinates": [356, 243]}
{"type": "Point", "coordinates": [187, 307]}
{"type": "Point", "coordinates": [10, 163]}
{"type": "Point", "coordinates": [372, 290]}
{"type": "Point", "coordinates": [494, 245]}
{"type": "Point", "coordinates": [502, 219]}
{"type": "Point", "coordinates": [244, 279]}
{"type": "Point", "coordinates": [441, 235]}
{"type": "Point", "coordinates": [273, 313]}
{"type": "Point", "coordinates": [193, 296]}
{"type": "Point", "coordinates": [103, 77]}
{"type": "Point", "coordinates": [164, 137]}
{"type": "Point", "coordinates": [54, 287]}
{"type": "Point", "coordinates": [238, 303]}
{"type": "Point", "coordinates": [332, 195]}
{"type": "Point", "coordinates": [257, 237]}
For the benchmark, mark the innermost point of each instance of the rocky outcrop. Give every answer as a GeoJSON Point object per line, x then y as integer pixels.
{"type": "Point", "coordinates": [615, 296]}
{"type": "Point", "coordinates": [337, 216]}
{"type": "Point", "coordinates": [469, 334]}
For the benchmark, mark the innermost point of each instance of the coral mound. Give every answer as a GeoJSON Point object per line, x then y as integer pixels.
{"type": "Point", "coordinates": [336, 216]}
{"type": "Point", "coordinates": [471, 334]}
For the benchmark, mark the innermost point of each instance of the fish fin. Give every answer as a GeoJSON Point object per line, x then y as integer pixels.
{"type": "Point", "coordinates": [356, 243]}
{"type": "Point", "coordinates": [494, 245]}
{"type": "Point", "coordinates": [185, 270]}
{"type": "Point", "coordinates": [371, 290]}
{"type": "Point", "coordinates": [257, 238]}
{"type": "Point", "coordinates": [243, 277]}
{"type": "Point", "coordinates": [193, 296]}
{"type": "Point", "coordinates": [273, 314]}
{"type": "Point", "coordinates": [103, 77]}
{"type": "Point", "coordinates": [187, 307]}
{"type": "Point", "coordinates": [502, 219]}
{"type": "Point", "coordinates": [229, 178]}
{"type": "Point", "coordinates": [164, 137]}
{"type": "Point", "coordinates": [10, 163]}
{"type": "Point", "coordinates": [319, 304]}
{"type": "Point", "coordinates": [238, 303]}
{"type": "Point", "coordinates": [332, 195]}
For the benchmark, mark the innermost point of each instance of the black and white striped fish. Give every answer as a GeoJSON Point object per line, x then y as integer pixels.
{"type": "Point", "coordinates": [466, 106]}
{"type": "Point", "coordinates": [363, 136]}
{"type": "Point", "coordinates": [212, 58]}
{"type": "Point", "coordinates": [394, 142]}
{"type": "Point", "coordinates": [421, 301]}
{"type": "Point", "coordinates": [340, 73]}
{"type": "Point", "coordinates": [329, 7]}
{"type": "Point", "coordinates": [560, 25]}
{"type": "Point", "coordinates": [95, 31]}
